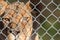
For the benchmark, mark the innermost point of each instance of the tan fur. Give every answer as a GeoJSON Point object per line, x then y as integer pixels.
{"type": "Point", "coordinates": [23, 19]}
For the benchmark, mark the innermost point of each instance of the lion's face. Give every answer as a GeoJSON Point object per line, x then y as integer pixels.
{"type": "Point", "coordinates": [16, 16]}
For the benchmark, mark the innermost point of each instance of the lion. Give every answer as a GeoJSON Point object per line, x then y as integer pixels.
{"type": "Point", "coordinates": [17, 17]}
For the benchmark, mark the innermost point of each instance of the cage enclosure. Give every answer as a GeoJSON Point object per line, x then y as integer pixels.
{"type": "Point", "coordinates": [29, 19]}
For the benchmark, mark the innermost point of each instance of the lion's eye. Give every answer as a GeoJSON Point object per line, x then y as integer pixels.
{"type": "Point", "coordinates": [6, 19]}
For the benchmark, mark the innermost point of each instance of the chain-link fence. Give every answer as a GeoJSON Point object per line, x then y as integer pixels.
{"type": "Point", "coordinates": [30, 20]}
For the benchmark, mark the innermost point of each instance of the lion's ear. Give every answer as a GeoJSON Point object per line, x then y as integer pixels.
{"type": "Point", "coordinates": [28, 6]}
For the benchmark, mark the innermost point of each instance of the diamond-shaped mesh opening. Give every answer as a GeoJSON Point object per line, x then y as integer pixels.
{"type": "Point", "coordinates": [57, 25]}
{"type": "Point", "coordinates": [40, 19]}
{"type": "Point", "coordinates": [46, 1]}
{"type": "Point", "coordinates": [52, 31]}
{"type": "Point", "coordinates": [2, 37]}
{"type": "Point", "coordinates": [33, 36]}
{"type": "Point", "coordinates": [52, 6]}
{"type": "Point", "coordinates": [40, 6]}
{"type": "Point", "coordinates": [57, 2]}
{"type": "Point", "coordinates": [34, 1]}
{"type": "Point", "coordinates": [5, 31]}
{"type": "Point", "coordinates": [46, 25]}
{"type": "Point", "coordinates": [57, 13]}
{"type": "Point", "coordinates": [46, 13]}
{"type": "Point", "coordinates": [31, 5]}
{"type": "Point", "coordinates": [1, 25]}
{"type": "Point", "coordinates": [59, 6]}
{"type": "Point", "coordinates": [46, 37]}
{"type": "Point", "coordinates": [35, 13]}
{"type": "Point", "coordinates": [41, 31]}
{"type": "Point", "coordinates": [35, 25]}
{"type": "Point", "coordinates": [57, 37]}
{"type": "Point", "coordinates": [52, 19]}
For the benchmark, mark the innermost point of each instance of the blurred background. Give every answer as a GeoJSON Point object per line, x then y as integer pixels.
{"type": "Point", "coordinates": [47, 15]}
{"type": "Point", "coordinates": [46, 18]}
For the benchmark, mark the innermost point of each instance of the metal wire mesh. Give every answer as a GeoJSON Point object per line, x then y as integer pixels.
{"type": "Point", "coordinates": [43, 19]}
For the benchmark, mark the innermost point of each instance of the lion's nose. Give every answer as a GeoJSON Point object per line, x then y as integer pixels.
{"type": "Point", "coordinates": [1, 25]}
